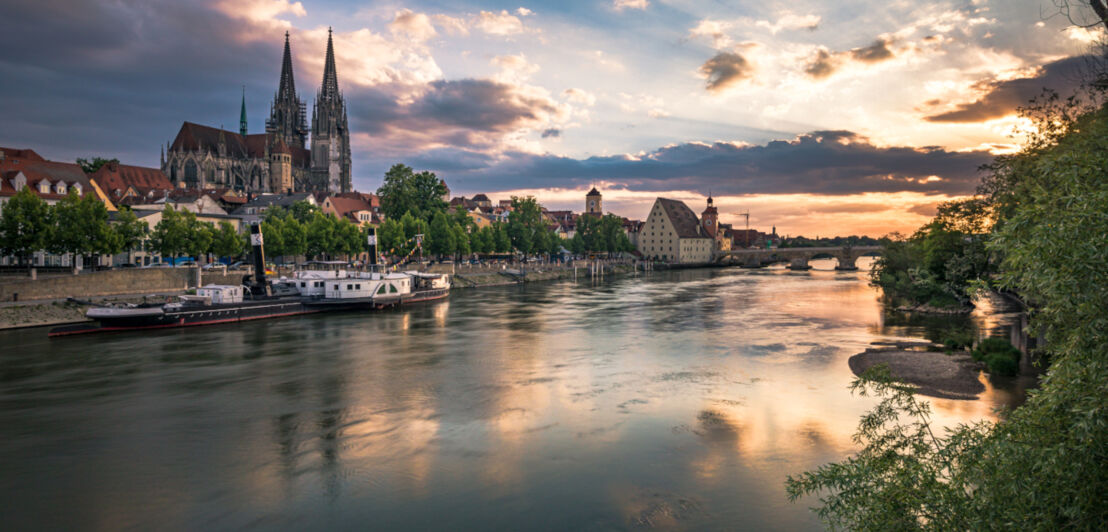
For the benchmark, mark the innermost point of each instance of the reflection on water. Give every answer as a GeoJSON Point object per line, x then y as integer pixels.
{"type": "Point", "coordinates": [675, 399]}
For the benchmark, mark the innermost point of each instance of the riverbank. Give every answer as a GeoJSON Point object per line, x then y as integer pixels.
{"type": "Point", "coordinates": [43, 313]}
{"type": "Point", "coordinates": [933, 373]}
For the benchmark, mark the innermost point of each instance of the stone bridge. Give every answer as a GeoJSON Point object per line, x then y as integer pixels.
{"type": "Point", "coordinates": [796, 257]}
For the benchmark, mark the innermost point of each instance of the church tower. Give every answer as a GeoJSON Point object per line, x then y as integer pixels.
{"type": "Point", "coordinates": [287, 117]}
{"type": "Point", "coordinates": [593, 203]}
{"type": "Point", "coordinates": [330, 135]}
{"type": "Point", "coordinates": [709, 219]}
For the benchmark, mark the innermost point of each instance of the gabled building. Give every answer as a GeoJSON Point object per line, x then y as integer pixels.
{"type": "Point", "coordinates": [355, 209]}
{"type": "Point", "coordinates": [131, 185]}
{"type": "Point", "coordinates": [672, 233]}
{"type": "Point", "coordinates": [50, 180]}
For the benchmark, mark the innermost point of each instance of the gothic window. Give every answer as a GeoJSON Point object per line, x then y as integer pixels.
{"type": "Point", "coordinates": [173, 173]}
{"type": "Point", "coordinates": [191, 173]}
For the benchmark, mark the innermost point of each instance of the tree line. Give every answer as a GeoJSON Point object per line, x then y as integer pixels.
{"type": "Point", "coordinates": [77, 225]}
{"type": "Point", "coordinates": [414, 204]}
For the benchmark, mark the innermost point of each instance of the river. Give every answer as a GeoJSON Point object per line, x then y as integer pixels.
{"type": "Point", "coordinates": [668, 400]}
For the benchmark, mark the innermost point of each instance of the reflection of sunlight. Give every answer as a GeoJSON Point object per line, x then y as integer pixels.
{"type": "Point", "coordinates": [440, 311]}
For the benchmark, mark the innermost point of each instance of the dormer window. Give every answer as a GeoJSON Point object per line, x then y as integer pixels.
{"type": "Point", "coordinates": [77, 187]}
{"type": "Point", "coordinates": [59, 188]}
{"type": "Point", "coordinates": [43, 187]}
{"type": "Point", "coordinates": [19, 182]}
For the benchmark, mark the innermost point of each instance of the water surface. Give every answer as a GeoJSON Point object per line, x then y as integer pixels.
{"type": "Point", "coordinates": [671, 400]}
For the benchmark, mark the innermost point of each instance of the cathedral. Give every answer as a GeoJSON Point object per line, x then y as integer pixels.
{"type": "Point", "coordinates": [277, 160]}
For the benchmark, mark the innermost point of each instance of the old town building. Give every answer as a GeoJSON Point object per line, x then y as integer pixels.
{"type": "Point", "coordinates": [672, 233]}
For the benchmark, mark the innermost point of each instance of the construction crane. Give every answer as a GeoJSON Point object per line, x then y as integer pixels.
{"type": "Point", "coordinates": [747, 233]}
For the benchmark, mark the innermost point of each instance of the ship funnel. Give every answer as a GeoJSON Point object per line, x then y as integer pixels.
{"type": "Point", "coordinates": [258, 284]}
{"type": "Point", "coordinates": [371, 240]}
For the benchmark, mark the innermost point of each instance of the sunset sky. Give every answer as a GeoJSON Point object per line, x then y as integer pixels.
{"type": "Point", "coordinates": [822, 118]}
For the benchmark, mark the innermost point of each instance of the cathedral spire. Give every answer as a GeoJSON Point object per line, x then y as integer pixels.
{"type": "Point", "coordinates": [242, 113]}
{"type": "Point", "coordinates": [330, 77]}
{"type": "Point", "coordinates": [287, 89]}
{"type": "Point", "coordinates": [287, 119]}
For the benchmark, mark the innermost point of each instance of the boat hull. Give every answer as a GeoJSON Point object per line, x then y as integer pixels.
{"type": "Point", "coordinates": [190, 316]}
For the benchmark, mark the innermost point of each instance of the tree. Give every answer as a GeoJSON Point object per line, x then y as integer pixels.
{"type": "Point", "coordinates": [25, 225]}
{"type": "Point", "coordinates": [81, 228]}
{"type": "Point", "coordinates": [130, 229]}
{"type": "Point", "coordinates": [294, 237]}
{"type": "Point", "coordinates": [91, 166]}
{"type": "Point", "coordinates": [462, 245]}
{"type": "Point", "coordinates": [322, 235]}
{"type": "Point", "coordinates": [168, 237]}
{"type": "Point", "coordinates": [527, 226]}
{"type": "Point", "coordinates": [273, 233]}
{"type": "Point", "coordinates": [198, 235]}
{"type": "Point", "coordinates": [226, 241]}
{"type": "Point", "coordinates": [302, 211]}
{"type": "Point", "coordinates": [501, 242]}
{"type": "Point", "coordinates": [390, 237]}
{"type": "Point", "coordinates": [404, 191]}
{"type": "Point", "coordinates": [441, 236]}
{"type": "Point", "coordinates": [348, 239]}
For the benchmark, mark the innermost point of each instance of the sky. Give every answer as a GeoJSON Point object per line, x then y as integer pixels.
{"type": "Point", "coordinates": [817, 118]}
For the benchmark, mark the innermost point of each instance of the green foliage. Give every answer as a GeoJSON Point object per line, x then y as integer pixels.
{"type": "Point", "coordinates": [92, 165]}
{"type": "Point", "coordinates": [941, 262]}
{"type": "Point", "coordinates": [601, 235]}
{"type": "Point", "coordinates": [904, 478]}
{"type": "Point", "coordinates": [25, 224]}
{"type": "Point", "coordinates": [226, 241]}
{"type": "Point", "coordinates": [462, 240]}
{"type": "Point", "coordinates": [130, 229]}
{"type": "Point", "coordinates": [404, 191]}
{"type": "Point", "coordinates": [180, 233]}
{"type": "Point", "coordinates": [81, 227]}
{"type": "Point", "coordinates": [442, 239]}
{"type": "Point", "coordinates": [527, 229]}
{"type": "Point", "coordinates": [1001, 357]}
{"type": "Point", "coordinates": [1043, 466]}
{"type": "Point", "coordinates": [390, 236]}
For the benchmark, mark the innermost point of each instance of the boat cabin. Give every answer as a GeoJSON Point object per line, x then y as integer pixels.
{"type": "Point", "coordinates": [221, 293]}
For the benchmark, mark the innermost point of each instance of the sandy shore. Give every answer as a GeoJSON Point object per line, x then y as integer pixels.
{"type": "Point", "coordinates": [934, 374]}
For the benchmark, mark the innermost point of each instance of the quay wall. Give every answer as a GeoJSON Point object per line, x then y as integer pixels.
{"type": "Point", "coordinates": [107, 283]}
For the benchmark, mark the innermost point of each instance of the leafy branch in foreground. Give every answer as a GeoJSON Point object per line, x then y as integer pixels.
{"type": "Point", "coordinates": [905, 475]}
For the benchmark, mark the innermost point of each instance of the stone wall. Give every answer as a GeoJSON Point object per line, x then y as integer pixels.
{"type": "Point", "coordinates": [113, 282]}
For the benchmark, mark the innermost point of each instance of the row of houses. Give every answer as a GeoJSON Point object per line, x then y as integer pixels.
{"type": "Point", "coordinates": [147, 192]}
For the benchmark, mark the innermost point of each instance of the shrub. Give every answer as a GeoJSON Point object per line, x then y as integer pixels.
{"type": "Point", "coordinates": [1001, 357]}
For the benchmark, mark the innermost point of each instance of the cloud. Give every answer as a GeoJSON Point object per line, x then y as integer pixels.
{"type": "Point", "coordinates": [820, 162]}
{"type": "Point", "coordinates": [822, 65]}
{"type": "Point", "coordinates": [552, 132]}
{"type": "Point", "coordinates": [470, 114]}
{"type": "Point", "coordinates": [716, 30]}
{"type": "Point", "coordinates": [790, 21]}
{"type": "Point", "coordinates": [416, 26]}
{"type": "Point", "coordinates": [725, 70]}
{"type": "Point", "coordinates": [579, 96]}
{"type": "Point", "coordinates": [1002, 98]}
{"type": "Point", "coordinates": [620, 5]}
{"type": "Point", "coordinates": [874, 53]}
{"type": "Point", "coordinates": [502, 23]}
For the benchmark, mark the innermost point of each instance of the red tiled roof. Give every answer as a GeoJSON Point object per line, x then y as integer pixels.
{"type": "Point", "coordinates": [35, 169]}
{"type": "Point", "coordinates": [344, 206]}
{"type": "Point", "coordinates": [113, 176]}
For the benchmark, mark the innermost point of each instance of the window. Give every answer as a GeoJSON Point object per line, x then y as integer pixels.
{"type": "Point", "coordinates": [392, 289]}
{"type": "Point", "coordinates": [357, 287]}
{"type": "Point", "coordinates": [382, 290]}
{"type": "Point", "coordinates": [336, 287]}
{"type": "Point", "coordinates": [349, 287]}
{"type": "Point", "coordinates": [303, 284]}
